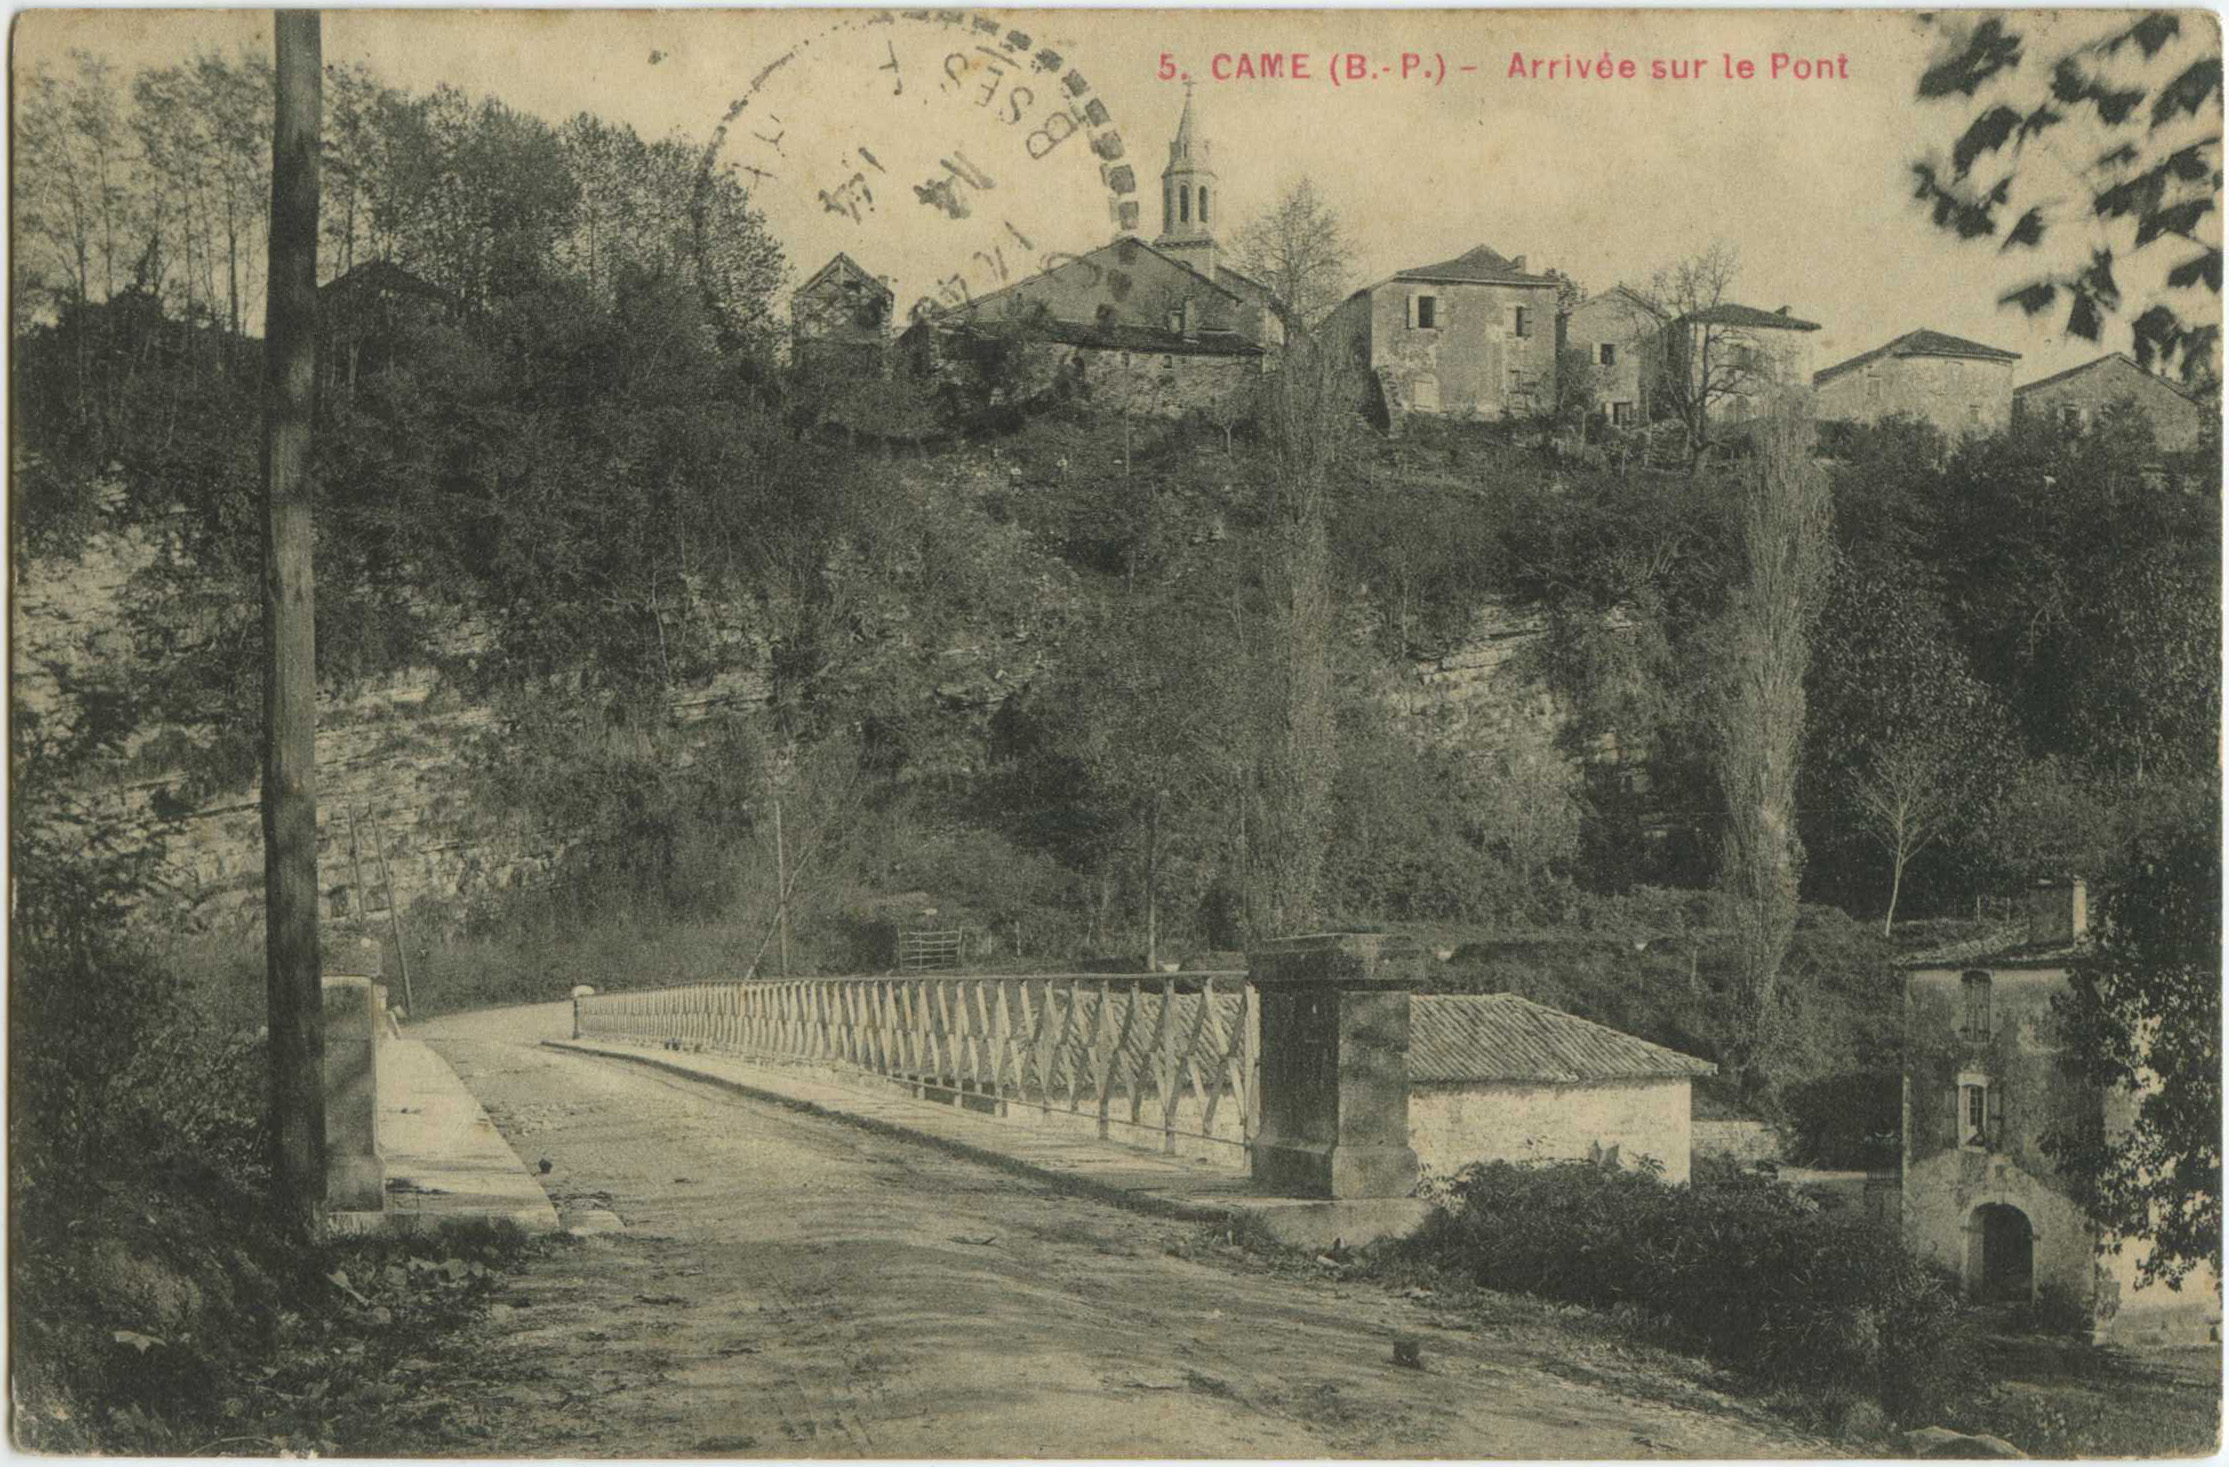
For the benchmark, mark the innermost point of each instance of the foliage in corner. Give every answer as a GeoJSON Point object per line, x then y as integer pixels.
{"type": "Point", "coordinates": [2142, 1025]}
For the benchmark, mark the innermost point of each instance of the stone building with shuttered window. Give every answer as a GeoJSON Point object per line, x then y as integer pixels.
{"type": "Point", "coordinates": [1982, 1087]}
{"type": "Point", "coordinates": [1475, 335]}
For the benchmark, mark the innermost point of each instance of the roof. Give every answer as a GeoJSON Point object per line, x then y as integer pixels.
{"type": "Point", "coordinates": [1629, 293]}
{"type": "Point", "coordinates": [2112, 356]}
{"type": "Point", "coordinates": [1479, 266]}
{"type": "Point", "coordinates": [1726, 313]}
{"type": "Point", "coordinates": [1922, 343]}
{"type": "Point", "coordinates": [1180, 146]}
{"type": "Point", "coordinates": [1501, 1036]}
{"type": "Point", "coordinates": [2004, 945]}
{"type": "Point", "coordinates": [1126, 243]}
{"type": "Point", "coordinates": [386, 275]}
{"type": "Point", "coordinates": [1453, 1039]}
{"type": "Point", "coordinates": [842, 261]}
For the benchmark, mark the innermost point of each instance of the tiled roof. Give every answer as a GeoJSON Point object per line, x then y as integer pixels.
{"type": "Point", "coordinates": [1479, 266]}
{"type": "Point", "coordinates": [2115, 356]}
{"type": "Point", "coordinates": [1921, 343]}
{"type": "Point", "coordinates": [2005, 945]}
{"type": "Point", "coordinates": [1729, 314]}
{"type": "Point", "coordinates": [1500, 1036]}
{"type": "Point", "coordinates": [1453, 1039]}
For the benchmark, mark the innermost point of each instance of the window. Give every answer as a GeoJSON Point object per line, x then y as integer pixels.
{"type": "Point", "coordinates": [1183, 204]}
{"type": "Point", "coordinates": [1980, 1110]}
{"type": "Point", "coordinates": [1203, 203]}
{"type": "Point", "coordinates": [1621, 414]}
{"type": "Point", "coordinates": [1169, 362]}
{"type": "Point", "coordinates": [1973, 1114]}
{"type": "Point", "coordinates": [1873, 391]}
{"type": "Point", "coordinates": [1973, 412]}
{"type": "Point", "coordinates": [1607, 354]}
{"type": "Point", "coordinates": [1427, 312]}
{"type": "Point", "coordinates": [2070, 418]}
{"type": "Point", "coordinates": [1975, 991]}
{"type": "Point", "coordinates": [1519, 321]}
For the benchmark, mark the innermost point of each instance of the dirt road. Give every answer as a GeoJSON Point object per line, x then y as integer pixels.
{"type": "Point", "coordinates": [787, 1285]}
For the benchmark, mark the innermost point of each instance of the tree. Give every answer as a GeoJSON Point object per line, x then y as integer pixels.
{"type": "Point", "coordinates": [1310, 413]}
{"type": "Point", "coordinates": [1905, 798]}
{"type": "Point", "coordinates": [1758, 715]}
{"type": "Point", "coordinates": [1708, 359]}
{"type": "Point", "coordinates": [2132, 119]}
{"type": "Point", "coordinates": [1299, 249]}
{"type": "Point", "coordinates": [2141, 1024]}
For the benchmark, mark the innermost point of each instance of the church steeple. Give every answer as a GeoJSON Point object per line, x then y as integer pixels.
{"type": "Point", "coordinates": [1189, 196]}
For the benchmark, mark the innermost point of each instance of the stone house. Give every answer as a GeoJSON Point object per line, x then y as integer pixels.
{"type": "Point", "coordinates": [1735, 357]}
{"type": "Point", "coordinates": [1496, 1077]}
{"type": "Point", "coordinates": [2075, 397]}
{"type": "Point", "coordinates": [1982, 1086]}
{"type": "Point", "coordinates": [1960, 386]}
{"type": "Point", "coordinates": [1471, 335]}
{"type": "Point", "coordinates": [1161, 328]}
{"type": "Point", "coordinates": [1620, 331]}
{"type": "Point", "coordinates": [1127, 325]}
{"type": "Point", "coordinates": [841, 317]}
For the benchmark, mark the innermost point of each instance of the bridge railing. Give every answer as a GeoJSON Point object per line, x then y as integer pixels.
{"type": "Point", "coordinates": [1176, 1055]}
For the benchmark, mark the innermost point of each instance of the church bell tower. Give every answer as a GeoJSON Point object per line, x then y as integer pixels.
{"type": "Point", "coordinates": [1190, 196]}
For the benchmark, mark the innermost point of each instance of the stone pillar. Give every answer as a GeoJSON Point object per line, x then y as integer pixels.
{"type": "Point", "coordinates": [1335, 1064]}
{"type": "Point", "coordinates": [354, 1179]}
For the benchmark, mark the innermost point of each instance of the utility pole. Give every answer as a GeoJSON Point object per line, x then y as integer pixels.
{"type": "Point", "coordinates": [294, 994]}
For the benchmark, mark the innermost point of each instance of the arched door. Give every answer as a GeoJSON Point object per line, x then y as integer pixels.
{"type": "Point", "coordinates": [2005, 1265]}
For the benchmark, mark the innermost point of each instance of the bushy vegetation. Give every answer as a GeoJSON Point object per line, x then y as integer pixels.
{"type": "Point", "coordinates": [1747, 1272]}
{"type": "Point", "coordinates": [158, 1303]}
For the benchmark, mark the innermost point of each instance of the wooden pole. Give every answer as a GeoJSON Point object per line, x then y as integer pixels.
{"type": "Point", "coordinates": [293, 994]}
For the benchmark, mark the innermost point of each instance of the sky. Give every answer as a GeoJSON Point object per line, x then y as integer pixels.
{"type": "Point", "coordinates": [1604, 179]}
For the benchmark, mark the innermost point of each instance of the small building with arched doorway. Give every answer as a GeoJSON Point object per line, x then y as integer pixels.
{"type": "Point", "coordinates": [1982, 1087]}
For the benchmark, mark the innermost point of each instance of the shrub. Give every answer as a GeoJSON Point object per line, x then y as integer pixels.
{"type": "Point", "coordinates": [1847, 1120]}
{"type": "Point", "coordinates": [1747, 1272]}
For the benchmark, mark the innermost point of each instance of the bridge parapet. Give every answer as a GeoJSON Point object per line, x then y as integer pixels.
{"type": "Point", "coordinates": [1151, 1059]}
{"type": "Point", "coordinates": [1296, 1069]}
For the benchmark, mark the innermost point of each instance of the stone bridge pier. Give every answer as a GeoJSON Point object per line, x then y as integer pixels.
{"type": "Point", "coordinates": [1334, 1135]}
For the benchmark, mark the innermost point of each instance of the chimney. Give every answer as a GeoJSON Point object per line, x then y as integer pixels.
{"type": "Point", "coordinates": [1781, 312]}
{"type": "Point", "coordinates": [2058, 912]}
{"type": "Point", "coordinates": [1518, 263]}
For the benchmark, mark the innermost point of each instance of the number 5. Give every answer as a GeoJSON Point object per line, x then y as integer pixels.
{"type": "Point", "coordinates": [1168, 67]}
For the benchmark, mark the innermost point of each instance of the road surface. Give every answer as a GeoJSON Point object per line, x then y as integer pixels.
{"type": "Point", "coordinates": [789, 1285]}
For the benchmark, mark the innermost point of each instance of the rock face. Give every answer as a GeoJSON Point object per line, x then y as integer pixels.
{"type": "Point", "coordinates": [397, 752]}
{"type": "Point", "coordinates": [394, 752]}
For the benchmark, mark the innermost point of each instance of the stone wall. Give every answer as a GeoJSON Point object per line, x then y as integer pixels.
{"type": "Point", "coordinates": [1470, 360]}
{"type": "Point", "coordinates": [1742, 1142]}
{"type": "Point", "coordinates": [1451, 1126]}
{"type": "Point", "coordinates": [2177, 422]}
{"type": "Point", "coordinates": [1959, 395]}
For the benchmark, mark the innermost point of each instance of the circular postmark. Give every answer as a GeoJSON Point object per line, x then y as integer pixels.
{"type": "Point", "coordinates": [950, 152]}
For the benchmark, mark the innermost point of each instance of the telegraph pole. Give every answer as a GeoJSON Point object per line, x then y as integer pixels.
{"type": "Point", "coordinates": [294, 994]}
